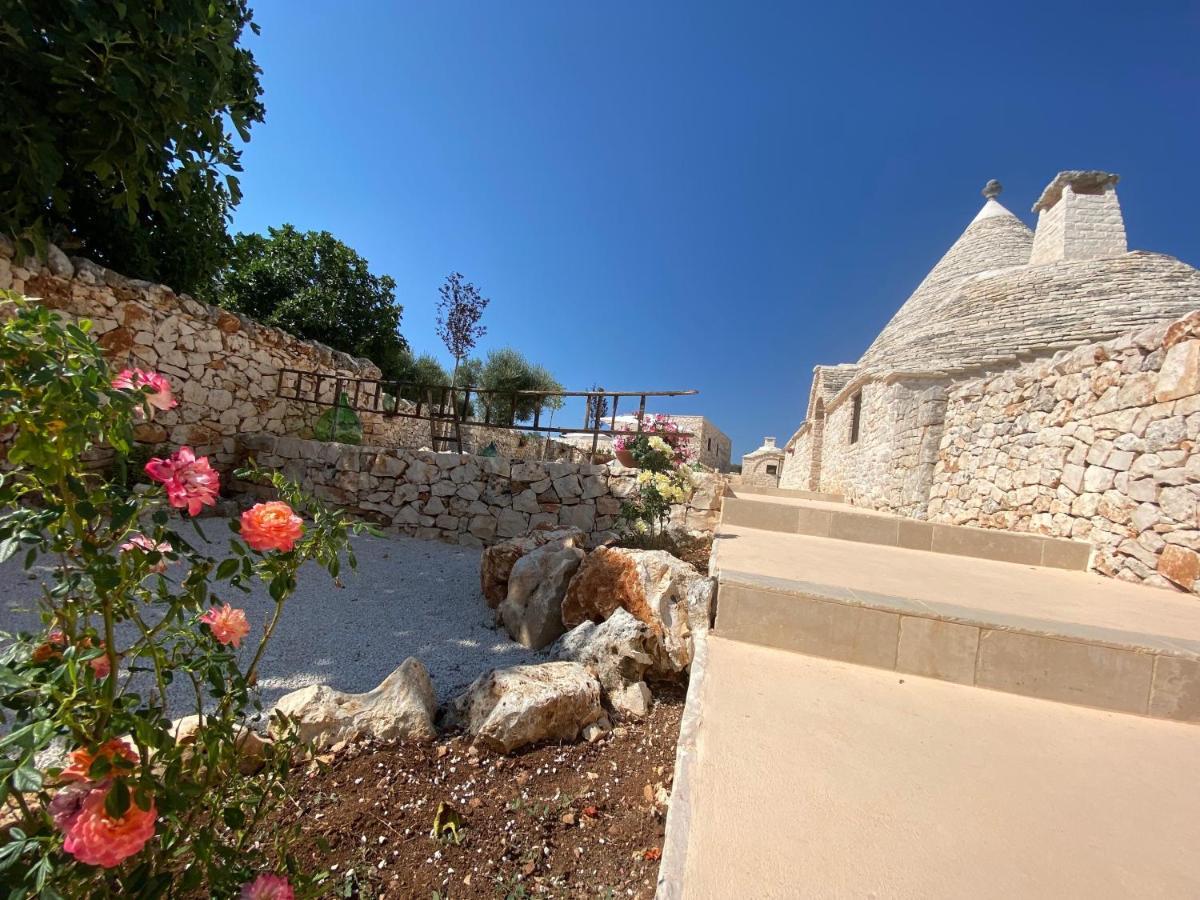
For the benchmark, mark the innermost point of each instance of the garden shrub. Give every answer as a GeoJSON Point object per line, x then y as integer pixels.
{"type": "Point", "coordinates": [130, 606]}
{"type": "Point", "coordinates": [663, 477]}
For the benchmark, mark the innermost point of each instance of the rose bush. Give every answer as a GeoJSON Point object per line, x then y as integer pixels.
{"type": "Point", "coordinates": [130, 607]}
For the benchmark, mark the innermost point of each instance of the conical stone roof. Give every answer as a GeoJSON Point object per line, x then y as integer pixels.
{"type": "Point", "coordinates": [995, 239]}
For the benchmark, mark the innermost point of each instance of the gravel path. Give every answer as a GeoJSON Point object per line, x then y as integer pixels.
{"type": "Point", "coordinates": [407, 598]}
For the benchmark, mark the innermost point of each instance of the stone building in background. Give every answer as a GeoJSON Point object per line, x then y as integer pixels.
{"type": "Point", "coordinates": [764, 466]}
{"type": "Point", "coordinates": [708, 444]}
{"type": "Point", "coordinates": [1033, 381]}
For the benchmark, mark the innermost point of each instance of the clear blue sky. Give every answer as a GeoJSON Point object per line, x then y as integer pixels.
{"type": "Point", "coordinates": [706, 195]}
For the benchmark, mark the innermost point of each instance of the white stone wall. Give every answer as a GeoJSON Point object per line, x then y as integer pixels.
{"type": "Point", "coordinates": [224, 368]}
{"type": "Point", "coordinates": [798, 462]}
{"type": "Point", "coordinates": [1097, 444]}
{"type": "Point", "coordinates": [467, 499]}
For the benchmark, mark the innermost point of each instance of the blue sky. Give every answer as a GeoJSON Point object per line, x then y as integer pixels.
{"type": "Point", "coordinates": [705, 195]}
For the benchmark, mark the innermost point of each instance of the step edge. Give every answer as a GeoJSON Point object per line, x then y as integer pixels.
{"type": "Point", "coordinates": [1137, 642]}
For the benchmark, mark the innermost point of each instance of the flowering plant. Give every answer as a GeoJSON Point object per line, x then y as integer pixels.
{"type": "Point", "coordinates": [656, 434]}
{"type": "Point", "coordinates": [136, 625]}
{"type": "Point", "coordinates": [662, 480]}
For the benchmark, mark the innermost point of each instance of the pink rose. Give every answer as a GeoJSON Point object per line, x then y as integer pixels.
{"type": "Point", "coordinates": [227, 624]}
{"type": "Point", "coordinates": [191, 482]}
{"type": "Point", "coordinates": [159, 396]}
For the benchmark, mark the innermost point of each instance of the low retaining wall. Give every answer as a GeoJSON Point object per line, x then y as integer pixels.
{"type": "Point", "coordinates": [466, 499]}
{"type": "Point", "coordinates": [1098, 444]}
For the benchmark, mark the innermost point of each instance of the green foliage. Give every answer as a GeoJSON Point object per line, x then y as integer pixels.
{"type": "Point", "coordinates": [113, 119]}
{"type": "Point", "coordinates": [119, 626]}
{"type": "Point", "coordinates": [507, 372]}
{"type": "Point", "coordinates": [312, 285]}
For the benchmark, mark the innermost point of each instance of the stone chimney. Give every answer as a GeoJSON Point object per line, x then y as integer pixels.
{"type": "Point", "coordinates": [1078, 218]}
{"type": "Point", "coordinates": [768, 442]}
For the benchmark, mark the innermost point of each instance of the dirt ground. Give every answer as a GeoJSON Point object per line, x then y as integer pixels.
{"type": "Point", "coordinates": [561, 820]}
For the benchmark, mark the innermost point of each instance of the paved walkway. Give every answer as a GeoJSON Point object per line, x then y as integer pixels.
{"type": "Point", "coordinates": [815, 763]}
{"type": "Point", "coordinates": [816, 778]}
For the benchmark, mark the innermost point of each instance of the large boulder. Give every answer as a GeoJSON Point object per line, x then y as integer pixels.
{"type": "Point", "coordinates": [618, 651]}
{"type": "Point", "coordinates": [532, 611]}
{"type": "Point", "coordinates": [654, 587]}
{"type": "Point", "coordinates": [497, 562]}
{"type": "Point", "coordinates": [401, 708]}
{"type": "Point", "coordinates": [521, 705]}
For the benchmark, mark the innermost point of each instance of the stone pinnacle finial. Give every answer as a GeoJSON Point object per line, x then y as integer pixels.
{"type": "Point", "coordinates": [992, 189]}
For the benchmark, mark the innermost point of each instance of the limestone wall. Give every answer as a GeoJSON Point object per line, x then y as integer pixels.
{"type": "Point", "coordinates": [224, 368]}
{"type": "Point", "coordinates": [798, 463]}
{"type": "Point", "coordinates": [462, 498]}
{"type": "Point", "coordinates": [1097, 444]}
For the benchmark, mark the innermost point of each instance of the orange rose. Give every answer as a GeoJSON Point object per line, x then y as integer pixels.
{"type": "Point", "coordinates": [271, 526]}
{"type": "Point", "coordinates": [82, 759]}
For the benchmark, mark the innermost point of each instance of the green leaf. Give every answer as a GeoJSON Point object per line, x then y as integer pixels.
{"type": "Point", "coordinates": [27, 779]}
{"type": "Point", "coordinates": [116, 804]}
{"type": "Point", "coordinates": [227, 568]}
{"type": "Point", "coordinates": [233, 817]}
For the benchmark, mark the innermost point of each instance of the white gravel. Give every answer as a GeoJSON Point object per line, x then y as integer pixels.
{"type": "Point", "coordinates": [407, 598]}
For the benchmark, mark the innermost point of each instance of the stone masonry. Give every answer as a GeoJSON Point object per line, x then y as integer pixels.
{"type": "Point", "coordinates": [467, 499]}
{"type": "Point", "coordinates": [224, 368]}
{"type": "Point", "coordinates": [1098, 444]}
{"type": "Point", "coordinates": [1002, 303]}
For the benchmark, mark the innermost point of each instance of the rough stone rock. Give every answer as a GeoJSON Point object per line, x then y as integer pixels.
{"type": "Point", "coordinates": [250, 744]}
{"type": "Point", "coordinates": [532, 610]}
{"type": "Point", "coordinates": [655, 587]}
{"type": "Point", "coordinates": [401, 707]}
{"type": "Point", "coordinates": [498, 560]}
{"type": "Point", "coordinates": [514, 707]}
{"type": "Point", "coordinates": [1180, 565]}
{"type": "Point", "coordinates": [618, 651]}
{"type": "Point", "coordinates": [631, 700]}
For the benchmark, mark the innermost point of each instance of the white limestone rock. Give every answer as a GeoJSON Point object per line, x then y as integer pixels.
{"type": "Point", "coordinates": [401, 708]}
{"type": "Point", "coordinates": [618, 651]}
{"type": "Point", "coordinates": [532, 610]}
{"type": "Point", "coordinates": [522, 705]}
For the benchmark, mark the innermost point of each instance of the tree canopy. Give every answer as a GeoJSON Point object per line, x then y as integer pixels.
{"type": "Point", "coordinates": [113, 120]}
{"type": "Point", "coordinates": [312, 285]}
{"type": "Point", "coordinates": [506, 370]}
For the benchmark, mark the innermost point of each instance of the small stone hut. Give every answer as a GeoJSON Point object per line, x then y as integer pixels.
{"type": "Point", "coordinates": [764, 466]}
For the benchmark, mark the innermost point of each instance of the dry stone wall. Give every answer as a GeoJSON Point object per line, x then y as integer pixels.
{"type": "Point", "coordinates": [224, 368]}
{"type": "Point", "coordinates": [1097, 444]}
{"type": "Point", "coordinates": [467, 499]}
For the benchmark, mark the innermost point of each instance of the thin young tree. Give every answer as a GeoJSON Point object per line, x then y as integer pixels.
{"type": "Point", "coordinates": [459, 312]}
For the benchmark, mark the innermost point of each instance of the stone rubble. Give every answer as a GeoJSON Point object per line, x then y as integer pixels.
{"type": "Point", "coordinates": [498, 560]}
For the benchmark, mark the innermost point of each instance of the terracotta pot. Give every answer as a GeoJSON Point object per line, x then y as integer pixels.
{"type": "Point", "coordinates": [625, 458]}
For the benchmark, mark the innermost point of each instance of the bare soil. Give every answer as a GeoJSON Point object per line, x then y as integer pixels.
{"type": "Point", "coordinates": [559, 820]}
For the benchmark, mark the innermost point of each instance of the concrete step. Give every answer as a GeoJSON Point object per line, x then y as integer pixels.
{"type": "Point", "coordinates": [754, 491]}
{"type": "Point", "coordinates": [831, 520]}
{"type": "Point", "coordinates": [814, 778]}
{"type": "Point", "coordinates": [1057, 635]}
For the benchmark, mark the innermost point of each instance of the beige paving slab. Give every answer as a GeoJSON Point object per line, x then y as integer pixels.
{"type": "Point", "coordinates": [820, 779]}
{"type": "Point", "coordinates": [1052, 601]}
